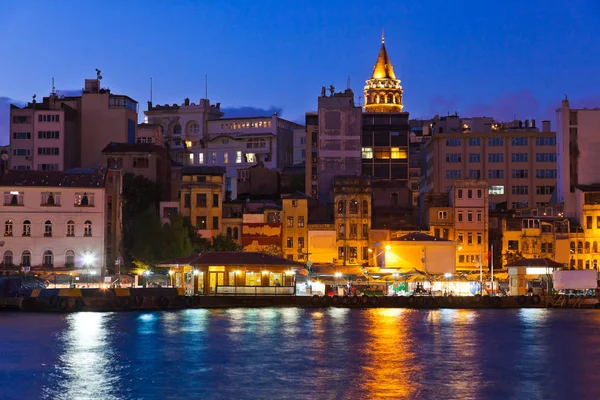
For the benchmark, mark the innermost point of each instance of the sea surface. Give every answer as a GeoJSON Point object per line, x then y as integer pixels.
{"type": "Point", "coordinates": [295, 353]}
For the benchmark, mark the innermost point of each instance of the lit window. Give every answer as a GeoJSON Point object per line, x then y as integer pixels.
{"type": "Point", "coordinates": [225, 158]}
{"type": "Point", "coordinates": [200, 158]}
{"type": "Point", "coordinates": [214, 157]}
{"type": "Point", "coordinates": [493, 190]}
{"type": "Point", "coordinates": [398, 154]}
{"type": "Point", "coordinates": [238, 157]}
{"type": "Point", "coordinates": [188, 143]}
{"type": "Point", "coordinates": [367, 153]}
{"type": "Point", "coordinates": [191, 158]}
{"type": "Point", "coordinates": [250, 158]}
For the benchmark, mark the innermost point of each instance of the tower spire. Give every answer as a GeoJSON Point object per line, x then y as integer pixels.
{"type": "Point", "coordinates": [382, 36]}
{"type": "Point", "coordinates": [383, 92]}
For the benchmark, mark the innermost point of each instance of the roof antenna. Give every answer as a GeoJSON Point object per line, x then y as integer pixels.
{"type": "Point", "coordinates": [53, 88]}
{"type": "Point", "coordinates": [150, 90]}
{"type": "Point", "coordinates": [206, 86]}
{"type": "Point", "coordinates": [348, 85]}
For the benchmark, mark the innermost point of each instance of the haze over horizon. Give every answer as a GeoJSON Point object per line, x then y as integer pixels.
{"type": "Point", "coordinates": [503, 60]}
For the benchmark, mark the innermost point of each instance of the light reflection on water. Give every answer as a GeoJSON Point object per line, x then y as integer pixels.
{"type": "Point", "coordinates": [302, 354]}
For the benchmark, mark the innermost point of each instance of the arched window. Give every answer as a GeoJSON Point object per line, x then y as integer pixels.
{"type": "Point", "coordinates": [341, 209]}
{"type": "Point", "coordinates": [48, 258]}
{"type": "Point", "coordinates": [69, 258]}
{"type": "Point", "coordinates": [572, 247]}
{"type": "Point", "coordinates": [70, 228]}
{"type": "Point", "coordinates": [389, 99]}
{"type": "Point", "coordinates": [595, 247]}
{"type": "Point", "coordinates": [195, 128]}
{"type": "Point", "coordinates": [8, 227]}
{"type": "Point", "coordinates": [580, 247]}
{"type": "Point", "coordinates": [587, 247]}
{"type": "Point", "coordinates": [8, 257]}
{"type": "Point", "coordinates": [26, 228]}
{"type": "Point", "coordinates": [353, 208]}
{"type": "Point", "coordinates": [229, 233]}
{"type": "Point", "coordinates": [365, 207]}
{"type": "Point", "coordinates": [48, 228]}
{"type": "Point", "coordinates": [26, 258]}
{"type": "Point", "coordinates": [177, 130]}
{"type": "Point", "coordinates": [235, 233]}
{"type": "Point", "coordinates": [87, 228]}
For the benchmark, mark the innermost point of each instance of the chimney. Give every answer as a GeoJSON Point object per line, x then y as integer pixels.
{"type": "Point", "coordinates": [186, 101]}
{"type": "Point", "coordinates": [149, 105]}
{"type": "Point", "coordinates": [546, 126]}
{"type": "Point", "coordinates": [533, 123]}
{"type": "Point", "coordinates": [526, 123]}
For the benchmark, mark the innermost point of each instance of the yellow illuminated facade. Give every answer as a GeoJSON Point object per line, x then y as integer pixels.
{"type": "Point", "coordinates": [201, 198]}
{"type": "Point", "coordinates": [383, 92]}
{"type": "Point", "coordinates": [294, 221]}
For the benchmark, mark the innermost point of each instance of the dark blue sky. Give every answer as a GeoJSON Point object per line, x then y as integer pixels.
{"type": "Point", "coordinates": [498, 58]}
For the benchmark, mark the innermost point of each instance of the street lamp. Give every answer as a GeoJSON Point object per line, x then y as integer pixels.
{"type": "Point", "coordinates": [337, 275]}
{"type": "Point", "coordinates": [146, 274]}
{"type": "Point", "coordinates": [171, 272]}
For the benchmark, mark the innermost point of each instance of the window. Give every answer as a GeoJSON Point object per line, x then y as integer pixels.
{"type": "Point", "coordinates": [235, 233]}
{"type": "Point", "coordinates": [8, 227]}
{"type": "Point", "coordinates": [470, 216]}
{"type": "Point", "coordinates": [140, 162]}
{"type": "Point", "coordinates": [474, 141]}
{"type": "Point", "coordinates": [519, 157]}
{"type": "Point", "coordinates": [460, 216]}
{"type": "Point", "coordinates": [545, 157]}
{"type": "Point", "coordinates": [22, 135]}
{"type": "Point", "coordinates": [48, 258]}
{"type": "Point", "coordinates": [13, 198]}
{"type": "Point", "coordinates": [479, 216]}
{"type": "Point", "coordinates": [342, 231]}
{"type": "Point", "coordinates": [398, 154]}
{"type": "Point", "coordinates": [50, 199]}
{"type": "Point", "coordinates": [365, 231]}
{"type": "Point", "coordinates": [301, 242]}
{"type": "Point", "coordinates": [460, 237]}
{"type": "Point", "coordinates": [290, 242]}
{"type": "Point", "coordinates": [26, 258]}
{"type": "Point", "coordinates": [226, 158]}
{"type": "Point", "coordinates": [520, 190]}
{"type": "Point", "coordinates": [70, 258]}
{"type": "Point", "coordinates": [496, 157]}
{"type": "Point", "coordinates": [294, 203]}
{"type": "Point", "coordinates": [48, 228]}
{"type": "Point", "coordinates": [353, 207]}
{"type": "Point", "coordinates": [48, 151]}
{"type": "Point", "coordinates": [453, 158]}
{"type": "Point", "coordinates": [215, 222]}
{"type": "Point", "coordinates": [460, 193]}
{"type": "Point", "coordinates": [195, 128]}
{"type": "Point", "coordinates": [353, 231]}
{"type": "Point", "coordinates": [215, 200]}
{"type": "Point", "coordinates": [545, 141]}
{"type": "Point", "coordinates": [26, 228]}
{"type": "Point", "coordinates": [519, 141]}
{"type": "Point", "coordinates": [469, 238]}
{"type": "Point", "coordinates": [495, 174]}
{"type": "Point", "coordinates": [365, 207]}
{"type": "Point", "coordinates": [22, 152]}
{"type": "Point", "coordinates": [341, 209]}
{"type": "Point", "coordinates": [250, 158]}
{"type": "Point", "coordinates": [496, 190]}
{"type": "Point", "coordinates": [200, 200]}
{"type": "Point", "coordinates": [475, 174]}
{"type": "Point", "coordinates": [479, 193]}
{"type": "Point", "coordinates": [87, 228]}
{"type": "Point", "coordinates": [301, 222]}
{"type": "Point", "coordinates": [341, 253]}
{"type": "Point", "coordinates": [479, 238]}
{"type": "Point", "coordinates": [436, 232]}
{"type": "Point", "coordinates": [213, 157]}
{"type": "Point", "coordinates": [545, 173]}
{"type": "Point", "coordinates": [474, 157]}
{"type": "Point", "coordinates": [48, 167]}
{"type": "Point", "coordinates": [365, 253]}
{"type": "Point", "coordinates": [8, 257]}
{"type": "Point", "coordinates": [496, 141]}
{"type": "Point", "coordinates": [520, 173]}
{"type": "Point", "coordinates": [201, 222]}
{"type": "Point", "coordinates": [544, 189]}
{"type": "Point", "coordinates": [84, 199]}
{"type": "Point", "coordinates": [187, 200]}
{"type": "Point", "coordinates": [290, 222]}
{"type": "Point", "coordinates": [453, 174]}
{"type": "Point", "coordinates": [48, 118]}
{"type": "Point", "coordinates": [367, 153]}
{"type": "Point", "coordinates": [177, 129]}
{"type": "Point", "coordinates": [453, 142]}
{"type": "Point", "coordinates": [256, 143]}
{"type": "Point", "coordinates": [470, 194]}
{"type": "Point", "coordinates": [442, 214]}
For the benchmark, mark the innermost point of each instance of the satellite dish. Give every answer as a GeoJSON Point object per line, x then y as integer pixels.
{"type": "Point", "coordinates": [4, 157]}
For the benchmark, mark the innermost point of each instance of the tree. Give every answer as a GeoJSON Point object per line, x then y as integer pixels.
{"type": "Point", "coordinates": [176, 240]}
{"type": "Point", "coordinates": [217, 243]}
{"type": "Point", "coordinates": [147, 242]}
{"type": "Point", "coordinates": [512, 256]}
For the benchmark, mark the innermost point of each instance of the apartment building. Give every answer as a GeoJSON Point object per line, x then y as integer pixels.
{"type": "Point", "coordinates": [294, 216]}
{"type": "Point", "coordinates": [299, 156]}
{"type": "Point", "coordinates": [60, 221]}
{"type": "Point", "coordinates": [517, 160]}
{"type": "Point", "coordinates": [577, 147]}
{"type": "Point", "coordinates": [201, 198]}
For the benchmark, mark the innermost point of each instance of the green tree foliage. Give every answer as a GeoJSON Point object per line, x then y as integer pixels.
{"type": "Point", "coordinates": [512, 256]}
{"type": "Point", "coordinates": [176, 240]}
{"type": "Point", "coordinates": [147, 241]}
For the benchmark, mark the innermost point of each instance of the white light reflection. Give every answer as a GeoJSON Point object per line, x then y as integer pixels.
{"type": "Point", "coordinates": [87, 366]}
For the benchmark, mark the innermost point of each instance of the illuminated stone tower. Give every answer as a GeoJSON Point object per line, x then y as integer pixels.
{"type": "Point", "coordinates": [383, 92]}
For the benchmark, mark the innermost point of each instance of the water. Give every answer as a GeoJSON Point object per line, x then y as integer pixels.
{"type": "Point", "coordinates": [298, 353]}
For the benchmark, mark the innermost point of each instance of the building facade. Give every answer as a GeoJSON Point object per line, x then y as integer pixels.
{"type": "Point", "coordinates": [299, 156]}
{"type": "Point", "coordinates": [294, 216]}
{"type": "Point", "coordinates": [56, 221]}
{"type": "Point", "coordinates": [519, 163]}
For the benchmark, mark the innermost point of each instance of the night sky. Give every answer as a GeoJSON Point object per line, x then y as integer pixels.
{"type": "Point", "coordinates": [501, 58]}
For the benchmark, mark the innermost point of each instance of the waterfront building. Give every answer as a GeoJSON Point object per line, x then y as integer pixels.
{"type": "Point", "coordinates": [248, 273]}
{"type": "Point", "coordinates": [294, 214]}
{"type": "Point", "coordinates": [64, 132]}
{"type": "Point", "coordinates": [262, 228]}
{"type": "Point", "coordinates": [61, 221]}
{"type": "Point", "coordinates": [202, 193]}
{"type": "Point", "coordinates": [146, 159]}
{"type": "Point", "coordinates": [517, 160]}
{"type": "Point", "coordinates": [322, 243]}
{"type": "Point", "coordinates": [352, 218]}
{"type": "Point", "coordinates": [577, 148]}
{"type": "Point", "coordinates": [233, 212]}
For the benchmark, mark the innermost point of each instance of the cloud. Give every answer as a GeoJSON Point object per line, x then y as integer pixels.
{"type": "Point", "coordinates": [5, 103]}
{"type": "Point", "coordinates": [249, 111]}
{"type": "Point", "coordinates": [520, 105]}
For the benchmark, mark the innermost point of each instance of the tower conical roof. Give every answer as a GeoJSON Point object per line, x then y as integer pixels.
{"type": "Point", "coordinates": [383, 68]}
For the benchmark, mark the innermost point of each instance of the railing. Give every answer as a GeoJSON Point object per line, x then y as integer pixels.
{"type": "Point", "coordinates": [256, 290]}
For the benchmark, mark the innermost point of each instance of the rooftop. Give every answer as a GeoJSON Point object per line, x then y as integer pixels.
{"type": "Point", "coordinates": [236, 258]}
{"type": "Point", "coordinates": [419, 237]}
{"type": "Point", "coordinates": [75, 178]}
{"type": "Point", "coordinates": [203, 170]}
